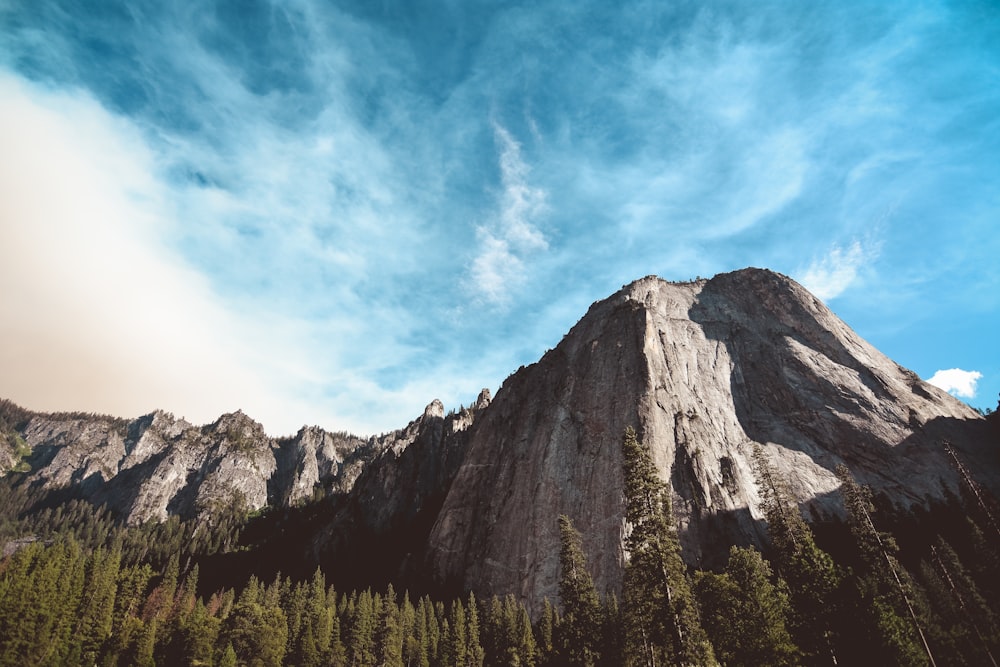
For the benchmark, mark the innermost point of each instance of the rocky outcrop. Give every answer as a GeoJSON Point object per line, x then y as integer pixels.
{"type": "Point", "coordinates": [703, 370]}
{"type": "Point", "coordinates": [157, 466]}
{"type": "Point", "coordinates": [384, 522]}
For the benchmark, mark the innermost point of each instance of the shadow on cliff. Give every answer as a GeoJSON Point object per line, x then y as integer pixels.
{"type": "Point", "coordinates": [778, 398]}
{"type": "Point", "coordinates": [365, 538]}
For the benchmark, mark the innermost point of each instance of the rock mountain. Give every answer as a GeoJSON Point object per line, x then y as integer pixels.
{"type": "Point", "coordinates": [703, 370]}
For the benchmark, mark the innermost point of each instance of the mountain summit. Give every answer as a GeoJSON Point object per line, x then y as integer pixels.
{"type": "Point", "coordinates": [703, 370]}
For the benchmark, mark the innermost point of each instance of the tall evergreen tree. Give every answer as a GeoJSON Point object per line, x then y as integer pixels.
{"type": "Point", "coordinates": [745, 613]}
{"type": "Point", "coordinates": [545, 634]}
{"type": "Point", "coordinates": [580, 604]}
{"type": "Point", "coordinates": [256, 627]}
{"type": "Point", "coordinates": [970, 608]}
{"type": "Point", "coordinates": [96, 613]}
{"type": "Point", "coordinates": [612, 642]}
{"type": "Point", "coordinates": [810, 572]}
{"type": "Point", "coordinates": [659, 609]}
{"type": "Point", "coordinates": [455, 640]}
{"type": "Point", "coordinates": [474, 655]}
{"type": "Point", "coordinates": [892, 591]}
{"type": "Point", "coordinates": [389, 633]}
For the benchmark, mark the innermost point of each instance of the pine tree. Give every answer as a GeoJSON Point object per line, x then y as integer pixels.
{"type": "Point", "coordinates": [612, 642]}
{"type": "Point", "coordinates": [96, 613]}
{"type": "Point", "coordinates": [455, 641]}
{"type": "Point", "coordinates": [970, 608]}
{"type": "Point", "coordinates": [433, 626]}
{"type": "Point", "coordinates": [257, 627]}
{"type": "Point", "coordinates": [389, 633]}
{"type": "Point", "coordinates": [809, 571]}
{"type": "Point", "coordinates": [474, 654]}
{"type": "Point", "coordinates": [198, 636]}
{"type": "Point", "coordinates": [745, 613]}
{"type": "Point", "coordinates": [360, 643]}
{"type": "Point", "coordinates": [659, 609]}
{"type": "Point", "coordinates": [580, 604]}
{"type": "Point", "coordinates": [893, 591]}
{"type": "Point", "coordinates": [545, 634]}
{"type": "Point", "coordinates": [420, 655]}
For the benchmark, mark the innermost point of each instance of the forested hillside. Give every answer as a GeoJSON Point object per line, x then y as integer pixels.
{"type": "Point", "coordinates": [77, 587]}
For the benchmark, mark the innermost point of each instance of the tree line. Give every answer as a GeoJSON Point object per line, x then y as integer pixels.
{"type": "Point", "coordinates": [799, 606]}
{"type": "Point", "coordinates": [92, 592]}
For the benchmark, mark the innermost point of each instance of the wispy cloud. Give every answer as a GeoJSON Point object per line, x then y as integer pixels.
{"type": "Point", "coordinates": [321, 179]}
{"type": "Point", "coordinates": [831, 275]}
{"type": "Point", "coordinates": [512, 235]}
{"type": "Point", "coordinates": [957, 382]}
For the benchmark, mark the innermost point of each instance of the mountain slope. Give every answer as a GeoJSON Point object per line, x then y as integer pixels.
{"type": "Point", "coordinates": [703, 370]}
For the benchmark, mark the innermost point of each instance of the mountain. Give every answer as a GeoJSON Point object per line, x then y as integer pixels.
{"type": "Point", "coordinates": [703, 370]}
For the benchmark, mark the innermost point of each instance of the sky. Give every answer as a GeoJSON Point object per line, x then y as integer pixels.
{"type": "Point", "coordinates": [332, 213]}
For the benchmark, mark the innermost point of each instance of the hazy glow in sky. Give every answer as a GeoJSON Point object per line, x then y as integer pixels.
{"type": "Point", "coordinates": [334, 212]}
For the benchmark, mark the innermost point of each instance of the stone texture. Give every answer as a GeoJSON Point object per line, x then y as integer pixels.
{"type": "Point", "coordinates": [703, 370]}
{"type": "Point", "coordinates": [156, 466]}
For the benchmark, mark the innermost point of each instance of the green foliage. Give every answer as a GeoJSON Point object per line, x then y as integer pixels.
{"type": "Point", "coordinates": [659, 610]}
{"type": "Point", "coordinates": [810, 573]}
{"type": "Point", "coordinates": [580, 604]}
{"type": "Point", "coordinates": [746, 613]}
{"type": "Point", "coordinates": [84, 590]}
{"type": "Point", "coordinates": [889, 592]}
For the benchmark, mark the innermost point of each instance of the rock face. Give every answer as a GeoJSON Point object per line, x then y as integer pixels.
{"type": "Point", "coordinates": [702, 370]}
{"type": "Point", "coordinates": [157, 466]}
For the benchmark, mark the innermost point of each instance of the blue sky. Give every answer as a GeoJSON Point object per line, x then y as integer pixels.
{"type": "Point", "coordinates": [334, 212]}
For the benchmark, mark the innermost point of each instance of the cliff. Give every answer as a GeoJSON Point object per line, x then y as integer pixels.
{"type": "Point", "coordinates": [703, 370]}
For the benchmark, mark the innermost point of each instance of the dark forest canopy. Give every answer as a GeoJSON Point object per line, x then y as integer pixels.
{"type": "Point", "coordinates": [77, 587]}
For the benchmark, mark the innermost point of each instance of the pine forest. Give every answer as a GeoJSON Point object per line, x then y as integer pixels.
{"type": "Point", "coordinates": [78, 588]}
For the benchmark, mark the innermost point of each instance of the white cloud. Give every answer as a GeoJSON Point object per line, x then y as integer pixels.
{"type": "Point", "coordinates": [956, 381]}
{"type": "Point", "coordinates": [95, 313]}
{"type": "Point", "coordinates": [512, 236]}
{"type": "Point", "coordinates": [829, 276]}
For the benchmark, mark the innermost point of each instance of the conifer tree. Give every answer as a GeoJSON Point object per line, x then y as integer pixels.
{"type": "Point", "coordinates": [257, 628]}
{"type": "Point", "coordinates": [612, 641]}
{"type": "Point", "coordinates": [228, 657]}
{"type": "Point", "coordinates": [455, 640]}
{"type": "Point", "coordinates": [96, 613]}
{"type": "Point", "coordinates": [746, 614]}
{"type": "Point", "coordinates": [971, 609]}
{"type": "Point", "coordinates": [420, 656]}
{"type": "Point", "coordinates": [433, 625]}
{"type": "Point", "coordinates": [580, 604]}
{"type": "Point", "coordinates": [809, 571]}
{"type": "Point", "coordinates": [659, 609]}
{"type": "Point", "coordinates": [389, 633]}
{"type": "Point", "coordinates": [545, 634]}
{"type": "Point", "coordinates": [493, 640]}
{"type": "Point", "coordinates": [892, 591]}
{"type": "Point", "coordinates": [361, 632]}
{"type": "Point", "coordinates": [474, 654]}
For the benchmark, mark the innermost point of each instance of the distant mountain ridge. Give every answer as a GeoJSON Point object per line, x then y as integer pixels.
{"type": "Point", "coordinates": [157, 466]}
{"type": "Point", "coordinates": [703, 370]}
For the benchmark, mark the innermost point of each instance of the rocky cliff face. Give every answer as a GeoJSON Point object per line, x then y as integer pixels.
{"type": "Point", "coordinates": [703, 370]}
{"type": "Point", "coordinates": [469, 500]}
{"type": "Point", "coordinates": [157, 465]}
